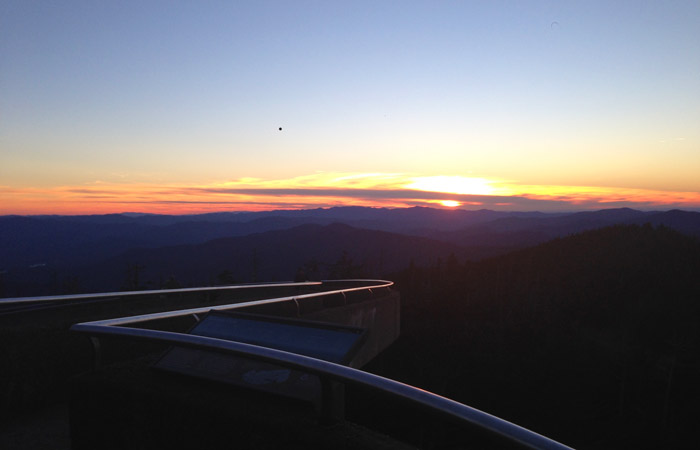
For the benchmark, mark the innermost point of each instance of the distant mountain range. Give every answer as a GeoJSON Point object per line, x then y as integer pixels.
{"type": "Point", "coordinates": [27, 240]}
{"type": "Point", "coordinates": [307, 251]}
{"type": "Point", "coordinates": [61, 254]}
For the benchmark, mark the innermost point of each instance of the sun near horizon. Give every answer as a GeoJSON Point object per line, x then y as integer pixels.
{"type": "Point", "coordinates": [324, 190]}
{"type": "Point", "coordinates": [133, 107]}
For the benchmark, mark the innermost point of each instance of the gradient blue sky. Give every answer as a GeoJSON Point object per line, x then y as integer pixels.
{"type": "Point", "coordinates": [539, 100]}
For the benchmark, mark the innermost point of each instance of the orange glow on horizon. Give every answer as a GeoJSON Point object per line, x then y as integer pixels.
{"type": "Point", "coordinates": [326, 190]}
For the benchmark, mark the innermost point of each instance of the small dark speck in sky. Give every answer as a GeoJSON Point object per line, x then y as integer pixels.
{"type": "Point", "coordinates": [280, 128]}
{"type": "Point", "coordinates": [554, 25]}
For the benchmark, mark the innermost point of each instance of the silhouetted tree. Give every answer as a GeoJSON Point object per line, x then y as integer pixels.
{"type": "Point", "coordinates": [225, 277]}
{"type": "Point", "coordinates": [300, 276]}
{"type": "Point", "coordinates": [132, 281]}
{"type": "Point", "coordinates": [311, 270]}
{"type": "Point", "coordinates": [602, 325]}
{"type": "Point", "coordinates": [345, 268]}
{"type": "Point", "coordinates": [254, 263]}
{"type": "Point", "coordinates": [3, 274]}
{"type": "Point", "coordinates": [70, 285]}
{"type": "Point", "coordinates": [171, 283]}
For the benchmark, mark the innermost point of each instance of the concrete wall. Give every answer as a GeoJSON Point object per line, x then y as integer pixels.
{"type": "Point", "coordinates": [380, 316]}
{"type": "Point", "coordinates": [129, 405]}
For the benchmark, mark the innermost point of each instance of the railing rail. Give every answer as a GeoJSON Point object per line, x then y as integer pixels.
{"type": "Point", "coordinates": [327, 371]}
{"type": "Point", "coordinates": [105, 295]}
{"type": "Point", "coordinates": [191, 311]}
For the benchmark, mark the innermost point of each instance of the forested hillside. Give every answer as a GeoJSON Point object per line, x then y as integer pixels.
{"type": "Point", "coordinates": [48, 255]}
{"type": "Point", "coordinates": [591, 339]}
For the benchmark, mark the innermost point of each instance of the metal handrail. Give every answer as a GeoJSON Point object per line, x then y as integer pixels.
{"type": "Point", "coordinates": [203, 309]}
{"type": "Point", "coordinates": [326, 370]}
{"type": "Point", "coordinates": [58, 298]}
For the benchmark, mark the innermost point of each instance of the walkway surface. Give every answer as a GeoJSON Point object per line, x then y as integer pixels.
{"type": "Point", "coordinates": [45, 429]}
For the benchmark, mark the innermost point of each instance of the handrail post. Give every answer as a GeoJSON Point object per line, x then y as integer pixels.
{"type": "Point", "coordinates": [97, 352]}
{"type": "Point", "coordinates": [332, 401]}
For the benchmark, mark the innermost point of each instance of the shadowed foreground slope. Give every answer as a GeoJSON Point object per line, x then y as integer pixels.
{"type": "Point", "coordinates": [592, 339]}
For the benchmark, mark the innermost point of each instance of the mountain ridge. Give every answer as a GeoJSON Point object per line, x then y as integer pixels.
{"type": "Point", "coordinates": [49, 251]}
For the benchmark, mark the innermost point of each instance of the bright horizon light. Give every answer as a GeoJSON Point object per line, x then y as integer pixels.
{"type": "Point", "coordinates": [250, 105]}
{"type": "Point", "coordinates": [389, 190]}
{"type": "Point", "coordinates": [452, 185]}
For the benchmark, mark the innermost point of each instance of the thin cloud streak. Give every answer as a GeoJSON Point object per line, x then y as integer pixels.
{"type": "Point", "coordinates": [332, 189]}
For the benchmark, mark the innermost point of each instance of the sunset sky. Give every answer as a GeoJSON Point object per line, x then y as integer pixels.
{"type": "Point", "coordinates": [175, 107]}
